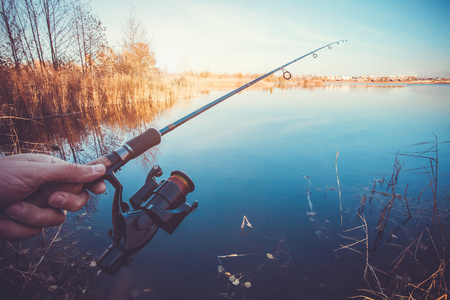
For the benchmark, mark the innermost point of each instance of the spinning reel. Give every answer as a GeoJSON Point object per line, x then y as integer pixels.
{"type": "Point", "coordinates": [155, 205]}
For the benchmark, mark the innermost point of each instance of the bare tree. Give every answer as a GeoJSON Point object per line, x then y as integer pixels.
{"type": "Point", "coordinates": [89, 35]}
{"type": "Point", "coordinates": [11, 30]}
{"type": "Point", "coordinates": [137, 56]}
{"type": "Point", "coordinates": [52, 31]}
{"type": "Point", "coordinates": [32, 13]}
{"type": "Point", "coordinates": [79, 22]}
{"type": "Point", "coordinates": [25, 45]}
{"type": "Point", "coordinates": [133, 30]}
{"type": "Point", "coordinates": [57, 25]}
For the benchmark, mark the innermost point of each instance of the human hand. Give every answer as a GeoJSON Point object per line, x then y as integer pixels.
{"type": "Point", "coordinates": [22, 174]}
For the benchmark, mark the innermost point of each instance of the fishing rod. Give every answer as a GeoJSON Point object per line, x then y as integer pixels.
{"type": "Point", "coordinates": [286, 75]}
{"type": "Point", "coordinates": [155, 205]}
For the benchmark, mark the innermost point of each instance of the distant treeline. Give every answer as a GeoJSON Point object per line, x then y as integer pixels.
{"type": "Point", "coordinates": [54, 59]}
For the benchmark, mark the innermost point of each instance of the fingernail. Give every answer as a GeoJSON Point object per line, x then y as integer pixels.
{"type": "Point", "coordinates": [14, 209]}
{"type": "Point", "coordinates": [58, 201]}
{"type": "Point", "coordinates": [98, 168]}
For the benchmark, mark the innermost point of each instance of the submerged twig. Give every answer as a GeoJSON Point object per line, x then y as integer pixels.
{"type": "Point", "coordinates": [386, 211]}
{"type": "Point", "coordinates": [432, 172]}
{"type": "Point", "coordinates": [49, 246]}
{"type": "Point", "coordinates": [364, 240]}
{"type": "Point", "coordinates": [362, 205]}
{"type": "Point", "coordinates": [245, 221]}
{"type": "Point", "coordinates": [339, 186]}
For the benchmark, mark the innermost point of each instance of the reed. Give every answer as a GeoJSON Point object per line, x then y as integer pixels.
{"type": "Point", "coordinates": [418, 270]}
{"type": "Point", "coordinates": [35, 94]}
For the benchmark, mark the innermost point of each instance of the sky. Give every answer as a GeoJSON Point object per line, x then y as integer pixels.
{"type": "Point", "coordinates": [248, 36]}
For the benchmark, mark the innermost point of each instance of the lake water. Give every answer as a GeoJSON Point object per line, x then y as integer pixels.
{"type": "Point", "coordinates": [271, 155]}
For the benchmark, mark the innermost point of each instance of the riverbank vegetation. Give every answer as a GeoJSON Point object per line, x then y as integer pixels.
{"type": "Point", "coordinates": [56, 61]}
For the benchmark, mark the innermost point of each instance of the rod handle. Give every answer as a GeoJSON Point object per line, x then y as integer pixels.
{"type": "Point", "coordinates": [148, 139]}
{"type": "Point", "coordinates": [139, 145]}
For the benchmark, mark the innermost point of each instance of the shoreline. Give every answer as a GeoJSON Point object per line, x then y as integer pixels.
{"type": "Point", "coordinates": [221, 81]}
{"type": "Point", "coordinates": [442, 81]}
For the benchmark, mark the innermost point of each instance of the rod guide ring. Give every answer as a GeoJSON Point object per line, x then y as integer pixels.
{"type": "Point", "coordinates": [286, 74]}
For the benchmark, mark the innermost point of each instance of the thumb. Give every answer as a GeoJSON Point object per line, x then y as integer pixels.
{"type": "Point", "coordinates": [70, 172]}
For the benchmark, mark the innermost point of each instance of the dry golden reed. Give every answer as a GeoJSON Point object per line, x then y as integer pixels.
{"type": "Point", "coordinates": [35, 94]}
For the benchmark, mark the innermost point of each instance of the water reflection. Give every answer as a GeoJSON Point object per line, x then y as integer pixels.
{"type": "Point", "coordinates": [95, 133]}
{"type": "Point", "coordinates": [78, 137]}
{"type": "Point", "coordinates": [271, 158]}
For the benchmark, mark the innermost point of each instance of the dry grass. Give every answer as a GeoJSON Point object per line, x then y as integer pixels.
{"type": "Point", "coordinates": [418, 270]}
{"type": "Point", "coordinates": [57, 269]}
{"type": "Point", "coordinates": [35, 94]}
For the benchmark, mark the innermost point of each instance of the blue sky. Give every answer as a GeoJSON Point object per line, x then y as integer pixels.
{"type": "Point", "coordinates": [384, 37]}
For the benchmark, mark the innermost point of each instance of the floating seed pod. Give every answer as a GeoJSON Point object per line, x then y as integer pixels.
{"type": "Point", "coordinates": [135, 293]}
{"type": "Point", "coordinates": [52, 288]}
{"type": "Point", "coordinates": [24, 251]}
{"type": "Point", "coordinates": [270, 256]}
{"type": "Point", "coordinates": [247, 284]}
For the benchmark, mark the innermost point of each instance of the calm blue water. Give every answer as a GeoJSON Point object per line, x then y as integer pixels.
{"type": "Point", "coordinates": [262, 154]}
{"type": "Point", "coordinates": [258, 154]}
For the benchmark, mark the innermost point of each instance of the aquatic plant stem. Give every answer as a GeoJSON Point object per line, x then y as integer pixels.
{"type": "Point", "coordinates": [339, 187]}
{"type": "Point", "coordinates": [367, 246]}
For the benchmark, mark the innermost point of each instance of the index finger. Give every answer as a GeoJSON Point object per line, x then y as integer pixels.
{"type": "Point", "coordinates": [69, 172]}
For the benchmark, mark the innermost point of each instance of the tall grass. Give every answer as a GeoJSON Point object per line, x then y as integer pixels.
{"type": "Point", "coordinates": [35, 94]}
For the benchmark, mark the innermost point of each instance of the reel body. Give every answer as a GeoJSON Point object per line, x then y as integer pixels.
{"type": "Point", "coordinates": [155, 205]}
